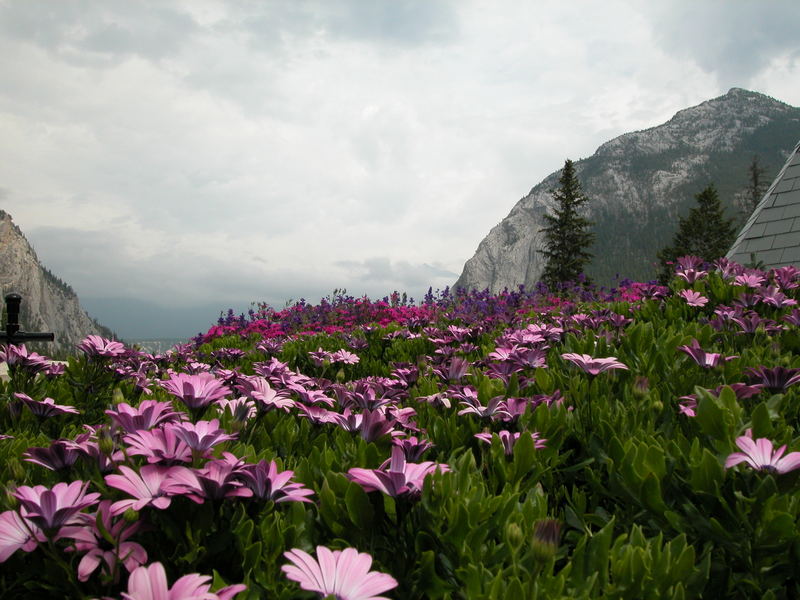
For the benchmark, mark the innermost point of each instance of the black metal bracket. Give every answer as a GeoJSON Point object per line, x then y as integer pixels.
{"type": "Point", "coordinates": [12, 334]}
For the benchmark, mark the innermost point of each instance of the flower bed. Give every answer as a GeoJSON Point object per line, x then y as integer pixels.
{"type": "Point", "coordinates": [629, 443]}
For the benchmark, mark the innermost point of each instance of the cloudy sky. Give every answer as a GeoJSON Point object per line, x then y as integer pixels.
{"type": "Point", "coordinates": [198, 154]}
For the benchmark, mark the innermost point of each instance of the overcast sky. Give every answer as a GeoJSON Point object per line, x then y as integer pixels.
{"type": "Point", "coordinates": [203, 152]}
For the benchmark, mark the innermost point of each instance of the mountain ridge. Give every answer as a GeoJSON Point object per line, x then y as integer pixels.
{"type": "Point", "coordinates": [638, 184]}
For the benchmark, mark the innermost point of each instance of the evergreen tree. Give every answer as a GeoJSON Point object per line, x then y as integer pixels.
{"type": "Point", "coordinates": [566, 235]}
{"type": "Point", "coordinates": [756, 187]}
{"type": "Point", "coordinates": [705, 232]}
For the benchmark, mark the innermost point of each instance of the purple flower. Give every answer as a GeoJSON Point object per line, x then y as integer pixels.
{"type": "Point", "coordinates": [703, 358]}
{"type": "Point", "coordinates": [201, 436]}
{"type": "Point", "coordinates": [94, 346]}
{"type": "Point", "coordinates": [494, 409]}
{"type": "Point", "coordinates": [454, 370]}
{"type": "Point", "coordinates": [775, 379]}
{"type": "Point", "coordinates": [688, 406]}
{"type": "Point", "coordinates": [693, 298]}
{"type": "Point", "coordinates": [594, 366]}
{"type": "Point", "coordinates": [437, 400]}
{"type": "Point", "coordinates": [345, 357]}
{"type": "Point", "coordinates": [508, 440]}
{"type": "Point", "coordinates": [774, 297]}
{"type": "Point", "coordinates": [413, 448]}
{"type": "Point", "coordinates": [45, 408]}
{"type": "Point", "coordinates": [17, 533]}
{"type": "Point", "coordinates": [148, 487]}
{"type": "Point", "coordinates": [94, 543]}
{"type": "Point", "coordinates": [268, 483]}
{"type": "Point", "coordinates": [760, 455]}
{"type": "Point", "coordinates": [750, 280]}
{"type": "Point", "coordinates": [317, 415]}
{"type": "Point", "coordinates": [196, 391]}
{"type": "Point", "coordinates": [61, 455]}
{"type": "Point", "coordinates": [19, 357]}
{"type": "Point", "coordinates": [691, 274]}
{"type": "Point", "coordinates": [49, 509]}
{"type": "Point", "coordinates": [786, 278]}
{"type": "Point", "coordinates": [265, 397]}
{"type": "Point", "coordinates": [241, 409]}
{"type": "Point", "coordinates": [150, 583]}
{"type": "Point", "coordinates": [147, 415]}
{"type": "Point", "coordinates": [371, 425]}
{"type": "Point", "coordinates": [400, 479]}
{"type": "Point", "coordinates": [343, 574]}
{"type": "Point", "coordinates": [217, 480]}
{"type": "Point", "coordinates": [160, 445]}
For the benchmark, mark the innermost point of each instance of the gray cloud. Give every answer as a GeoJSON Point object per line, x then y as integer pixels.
{"type": "Point", "coordinates": [733, 40]}
{"type": "Point", "coordinates": [382, 273]}
{"type": "Point", "coordinates": [400, 22]}
{"type": "Point", "coordinates": [86, 32]}
{"type": "Point", "coordinates": [183, 152]}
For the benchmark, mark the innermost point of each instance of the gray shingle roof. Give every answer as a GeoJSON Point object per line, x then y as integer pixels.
{"type": "Point", "coordinates": [772, 233]}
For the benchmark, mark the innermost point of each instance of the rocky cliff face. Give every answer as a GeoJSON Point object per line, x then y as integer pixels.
{"type": "Point", "coordinates": [48, 304]}
{"type": "Point", "coordinates": [639, 184]}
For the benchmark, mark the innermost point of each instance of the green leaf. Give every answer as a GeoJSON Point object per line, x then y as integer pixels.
{"type": "Point", "coordinates": [761, 421]}
{"type": "Point", "coordinates": [651, 494]}
{"type": "Point", "coordinates": [251, 557]}
{"type": "Point", "coordinates": [359, 508]}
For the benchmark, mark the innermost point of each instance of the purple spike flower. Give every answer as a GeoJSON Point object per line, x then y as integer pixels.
{"type": "Point", "coordinates": [343, 574]}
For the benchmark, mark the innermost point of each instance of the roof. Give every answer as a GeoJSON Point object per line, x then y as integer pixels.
{"type": "Point", "coordinates": [772, 233]}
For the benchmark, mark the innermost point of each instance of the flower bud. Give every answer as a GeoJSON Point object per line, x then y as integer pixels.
{"type": "Point", "coordinates": [106, 445]}
{"type": "Point", "coordinates": [641, 386]}
{"type": "Point", "coordinates": [546, 535]}
{"type": "Point", "coordinates": [130, 515]}
{"type": "Point", "coordinates": [514, 535]}
{"type": "Point", "coordinates": [117, 397]}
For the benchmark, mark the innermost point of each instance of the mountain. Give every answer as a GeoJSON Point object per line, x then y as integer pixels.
{"type": "Point", "coordinates": [639, 184]}
{"type": "Point", "coordinates": [48, 304]}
